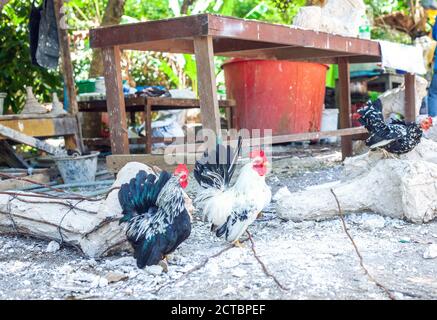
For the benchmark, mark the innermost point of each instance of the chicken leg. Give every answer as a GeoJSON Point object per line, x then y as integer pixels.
{"type": "Point", "coordinates": [238, 244]}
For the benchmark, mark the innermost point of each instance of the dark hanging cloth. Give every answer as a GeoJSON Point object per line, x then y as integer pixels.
{"type": "Point", "coordinates": [47, 53]}
{"type": "Point", "coordinates": [34, 19]}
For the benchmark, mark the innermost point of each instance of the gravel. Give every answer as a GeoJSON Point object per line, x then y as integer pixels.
{"type": "Point", "coordinates": [314, 260]}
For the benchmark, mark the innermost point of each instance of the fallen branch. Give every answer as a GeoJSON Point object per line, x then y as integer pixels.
{"type": "Point", "coordinates": [263, 266]}
{"type": "Point", "coordinates": [360, 257]}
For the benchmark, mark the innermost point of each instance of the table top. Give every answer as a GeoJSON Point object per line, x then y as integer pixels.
{"type": "Point", "coordinates": [235, 37]}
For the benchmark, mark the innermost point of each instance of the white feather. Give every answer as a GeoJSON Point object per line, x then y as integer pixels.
{"type": "Point", "coordinates": [249, 191]}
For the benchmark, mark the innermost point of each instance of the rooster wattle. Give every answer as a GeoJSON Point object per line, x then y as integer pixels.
{"type": "Point", "coordinates": [231, 209]}
{"type": "Point", "coordinates": [155, 213]}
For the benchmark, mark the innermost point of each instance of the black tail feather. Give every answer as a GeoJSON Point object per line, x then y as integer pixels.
{"type": "Point", "coordinates": [215, 169]}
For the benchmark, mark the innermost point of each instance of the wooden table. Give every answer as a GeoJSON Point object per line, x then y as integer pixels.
{"type": "Point", "coordinates": [207, 35]}
{"type": "Point", "coordinates": [149, 104]}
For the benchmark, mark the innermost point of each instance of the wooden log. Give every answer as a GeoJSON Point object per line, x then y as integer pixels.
{"type": "Point", "coordinates": [115, 101]}
{"type": "Point", "coordinates": [91, 226]}
{"type": "Point", "coordinates": [402, 189]}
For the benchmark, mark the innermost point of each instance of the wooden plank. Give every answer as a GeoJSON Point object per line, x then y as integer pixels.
{"type": "Point", "coordinates": [31, 141]}
{"type": "Point", "coordinates": [410, 97]}
{"type": "Point", "coordinates": [229, 27]}
{"type": "Point", "coordinates": [41, 127]}
{"type": "Point", "coordinates": [345, 104]}
{"type": "Point", "coordinates": [16, 184]}
{"type": "Point", "coordinates": [115, 100]}
{"type": "Point", "coordinates": [138, 104]}
{"type": "Point", "coordinates": [10, 157]}
{"type": "Point", "coordinates": [207, 85]}
{"type": "Point", "coordinates": [136, 33]}
{"type": "Point", "coordinates": [115, 162]}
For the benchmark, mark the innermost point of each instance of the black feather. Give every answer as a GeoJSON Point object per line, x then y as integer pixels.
{"type": "Point", "coordinates": [155, 212]}
{"type": "Point", "coordinates": [140, 194]}
{"type": "Point", "coordinates": [215, 169]}
{"type": "Point", "coordinates": [221, 231]}
{"type": "Point", "coordinates": [396, 137]}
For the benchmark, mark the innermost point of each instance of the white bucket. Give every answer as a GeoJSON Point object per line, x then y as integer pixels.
{"type": "Point", "coordinates": [2, 100]}
{"type": "Point", "coordinates": [329, 123]}
{"type": "Point", "coordinates": [77, 168]}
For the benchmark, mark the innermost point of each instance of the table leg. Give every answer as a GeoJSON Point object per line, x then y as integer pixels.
{"type": "Point", "coordinates": [206, 84]}
{"type": "Point", "coordinates": [410, 97]}
{"type": "Point", "coordinates": [228, 112]}
{"type": "Point", "coordinates": [148, 127]}
{"type": "Point", "coordinates": [115, 100]}
{"type": "Point", "coordinates": [345, 105]}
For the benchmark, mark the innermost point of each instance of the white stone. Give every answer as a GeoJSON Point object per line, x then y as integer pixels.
{"type": "Point", "coordinates": [371, 221]}
{"type": "Point", "coordinates": [53, 246]}
{"type": "Point", "coordinates": [283, 192]}
{"type": "Point", "coordinates": [430, 252]}
{"type": "Point", "coordinates": [154, 270]}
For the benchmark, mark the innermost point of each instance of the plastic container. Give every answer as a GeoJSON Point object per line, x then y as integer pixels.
{"type": "Point", "coordinates": [77, 168]}
{"type": "Point", "coordinates": [100, 85]}
{"type": "Point", "coordinates": [86, 86]}
{"type": "Point", "coordinates": [2, 100]}
{"type": "Point", "coordinates": [285, 96]}
{"type": "Point", "coordinates": [329, 123]}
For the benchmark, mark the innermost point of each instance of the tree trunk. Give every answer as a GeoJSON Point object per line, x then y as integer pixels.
{"type": "Point", "coordinates": [113, 12]}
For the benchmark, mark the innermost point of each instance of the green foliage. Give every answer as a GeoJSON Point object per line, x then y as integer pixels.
{"type": "Point", "coordinates": [16, 70]}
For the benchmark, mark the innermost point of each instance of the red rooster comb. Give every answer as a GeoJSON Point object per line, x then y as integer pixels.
{"type": "Point", "coordinates": [257, 153]}
{"type": "Point", "coordinates": [426, 123]}
{"type": "Point", "coordinates": [181, 168]}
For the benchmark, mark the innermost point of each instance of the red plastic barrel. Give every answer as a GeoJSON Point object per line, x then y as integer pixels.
{"type": "Point", "coordinates": [285, 96]}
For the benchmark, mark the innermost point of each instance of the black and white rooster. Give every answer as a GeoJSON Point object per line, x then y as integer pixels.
{"type": "Point", "coordinates": [231, 209]}
{"type": "Point", "coordinates": [396, 137]}
{"type": "Point", "coordinates": [155, 212]}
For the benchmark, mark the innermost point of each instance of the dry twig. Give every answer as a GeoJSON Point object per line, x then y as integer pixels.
{"type": "Point", "coordinates": [360, 257]}
{"type": "Point", "coordinates": [263, 266]}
